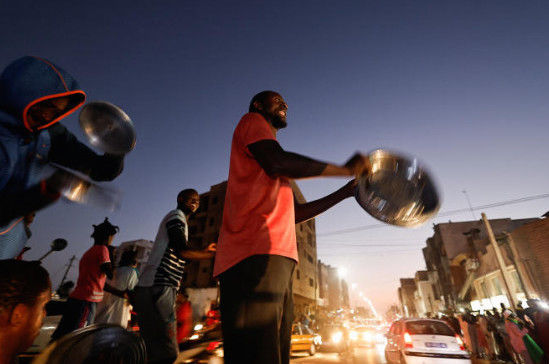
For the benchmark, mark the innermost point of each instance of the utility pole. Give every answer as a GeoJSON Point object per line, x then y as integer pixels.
{"type": "Point", "coordinates": [518, 265]}
{"type": "Point", "coordinates": [500, 260]}
{"type": "Point", "coordinates": [67, 271]}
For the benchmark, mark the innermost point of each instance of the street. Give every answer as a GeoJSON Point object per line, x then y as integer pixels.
{"type": "Point", "coordinates": [355, 356]}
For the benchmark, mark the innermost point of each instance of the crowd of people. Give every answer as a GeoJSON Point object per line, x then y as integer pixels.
{"type": "Point", "coordinates": [256, 252]}
{"type": "Point", "coordinates": [521, 336]}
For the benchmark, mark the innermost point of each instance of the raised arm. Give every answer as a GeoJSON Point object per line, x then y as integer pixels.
{"type": "Point", "coordinates": [277, 162]}
{"type": "Point", "coordinates": [307, 211]}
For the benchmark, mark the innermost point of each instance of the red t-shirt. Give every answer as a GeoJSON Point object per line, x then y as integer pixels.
{"type": "Point", "coordinates": [258, 217]}
{"type": "Point", "coordinates": [91, 279]}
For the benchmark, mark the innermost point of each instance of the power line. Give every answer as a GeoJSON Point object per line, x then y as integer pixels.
{"type": "Point", "coordinates": [442, 214]}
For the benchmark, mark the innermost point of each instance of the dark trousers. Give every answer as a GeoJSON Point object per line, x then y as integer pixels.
{"type": "Point", "coordinates": [77, 314]}
{"type": "Point", "coordinates": [257, 310]}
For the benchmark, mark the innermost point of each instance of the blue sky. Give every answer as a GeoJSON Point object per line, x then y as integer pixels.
{"type": "Point", "coordinates": [462, 85]}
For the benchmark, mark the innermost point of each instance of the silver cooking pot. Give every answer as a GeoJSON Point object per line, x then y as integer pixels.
{"type": "Point", "coordinates": [397, 190]}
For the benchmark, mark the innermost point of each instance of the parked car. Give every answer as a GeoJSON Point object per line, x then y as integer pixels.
{"type": "Point", "coordinates": [304, 339]}
{"type": "Point", "coordinates": [424, 341]}
{"type": "Point", "coordinates": [335, 337]}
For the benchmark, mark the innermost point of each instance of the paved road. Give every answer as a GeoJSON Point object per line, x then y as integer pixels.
{"type": "Point", "coordinates": [356, 356]}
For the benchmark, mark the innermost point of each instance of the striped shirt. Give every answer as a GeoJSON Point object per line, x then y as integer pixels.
{"type": "Point", "coordinates": [165, 267]}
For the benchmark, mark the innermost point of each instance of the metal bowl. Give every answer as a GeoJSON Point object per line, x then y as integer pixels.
{"type": "Point", "coordinates": [78, 188]}
{"type": "Point", "coordinates": [98, 343]}
{"type": "Point", "coordinates": [397, 190]}
{"type": "Point", "coordinates": [107, 127]}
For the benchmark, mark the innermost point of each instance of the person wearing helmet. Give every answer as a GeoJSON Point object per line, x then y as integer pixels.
{"type": "Point", "coordinates": [35, 95]}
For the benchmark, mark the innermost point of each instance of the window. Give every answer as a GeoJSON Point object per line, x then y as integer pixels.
{"type": "Point", "coordinates": [211, 222]}
{"type": "Point", "coordinates": [310, 258]}
{"type": "Point", "coordinates": [311, 282]}
{"type": "Point", "coordinates": [203, 204]}
{"type": "Point", "coordinates": [214, 200]}
{"type": "Point", "coordinates": [516, 282]}
{"type": "Point", "coordinates": [497, 286]}
{"type": "Point", "coordinates": [483, 290]}
{"type": "Point", "coordinates": [421, 327]}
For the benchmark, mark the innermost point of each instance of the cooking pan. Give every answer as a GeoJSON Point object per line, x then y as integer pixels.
{"type": "Point", "coordinates": [397, 190]}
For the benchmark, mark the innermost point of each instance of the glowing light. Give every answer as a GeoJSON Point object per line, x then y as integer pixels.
{"type": "Point", "coordinates": [354, 335]}
{"type": "Point", "coordinates": [460, 343]}
{"type": "Point", "coordinates": [408, 340]}
{"type": "Point", "coordinates": [337, 337]}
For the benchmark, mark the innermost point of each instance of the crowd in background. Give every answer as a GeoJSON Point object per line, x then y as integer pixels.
{"type": "Point", "coordinates": [521, 336]}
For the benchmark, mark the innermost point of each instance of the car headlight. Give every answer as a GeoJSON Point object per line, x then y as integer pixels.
{"type": "Point", "coordinates": [337, 337]}
{"type": "Point", "coordinates": [354, 335]}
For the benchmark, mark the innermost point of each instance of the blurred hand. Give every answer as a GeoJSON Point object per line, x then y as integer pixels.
{"type": "Point", "coordinates": [358, 165]}
{"type": "Point", "coordinates": [350, 188]}
{"type": "Point", "coordinates": [60, 180]}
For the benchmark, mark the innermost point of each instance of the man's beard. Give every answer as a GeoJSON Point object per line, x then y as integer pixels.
{"type": "Point", "coordinates": [277, 121]}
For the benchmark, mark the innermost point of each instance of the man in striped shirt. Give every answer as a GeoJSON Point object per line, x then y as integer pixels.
{"type": "Point", "coordinates": [154, 297]}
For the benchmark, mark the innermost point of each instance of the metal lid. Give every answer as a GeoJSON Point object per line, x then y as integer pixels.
{"type": "Point", "coordinates": [107, 127]}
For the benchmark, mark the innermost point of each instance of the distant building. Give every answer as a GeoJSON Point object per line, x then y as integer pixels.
{"type": "Point", "coordinates": [452, 256]}
{"type": "Point", "coordinates": [532, 243]}
{"type": "Point", "coordinates": [424, 297]}
{"type": "Point", "coordinates": [322, 293]}
{"type": "Point", "coordinates": [306, 275]}
{"type": "Point", "coordinates": [204, 228]}
{"type": "Point", "coordinates": [406, 295]}
{"type": "Point", "coordinates": [525, 252]}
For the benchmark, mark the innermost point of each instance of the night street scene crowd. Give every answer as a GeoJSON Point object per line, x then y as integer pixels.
{"type": "Point", "coordinates": [255, 255]}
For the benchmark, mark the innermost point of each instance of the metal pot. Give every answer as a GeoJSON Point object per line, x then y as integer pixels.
{"type": "Point", "coordinates": [397, 190]}
{"type": "Point", "coordinates": [107, 127]}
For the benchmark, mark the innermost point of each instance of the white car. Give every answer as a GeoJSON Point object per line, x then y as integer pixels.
{"type": "Point", "coordinates": [424, 341]}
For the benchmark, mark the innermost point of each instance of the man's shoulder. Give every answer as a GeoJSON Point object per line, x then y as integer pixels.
{"type": "Point", "coordinates": [252, 119]}
{"type": "Point", "coordinates": [175, 214]}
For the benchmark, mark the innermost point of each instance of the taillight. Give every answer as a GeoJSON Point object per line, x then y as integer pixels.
{"type": "Point", "coordinates": [408, 341]}
{"type": "Point", "coordinates": [460, 343]}
{"type": "Point", "coordinates": [213, 345]}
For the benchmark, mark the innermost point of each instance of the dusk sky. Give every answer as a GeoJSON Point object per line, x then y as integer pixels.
{"type": "Point", "coordinates": [463, 85]}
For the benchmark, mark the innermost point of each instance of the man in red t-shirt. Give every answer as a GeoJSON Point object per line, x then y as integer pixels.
{"type": "Point", "coordinates": [94, 268]}
{"type": "Point", "coordinates": [257, 251]}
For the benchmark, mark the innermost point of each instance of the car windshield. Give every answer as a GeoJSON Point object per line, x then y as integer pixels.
{"type": "Point", "coordinates": [428, 328]}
